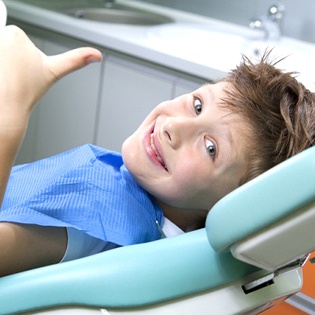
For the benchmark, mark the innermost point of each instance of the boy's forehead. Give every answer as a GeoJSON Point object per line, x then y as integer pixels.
{"type": "Point", "coordinates": [216, 90]}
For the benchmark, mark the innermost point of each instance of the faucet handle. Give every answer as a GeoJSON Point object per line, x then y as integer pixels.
{"type": "Point", "coordinates": [276, 12]}
{"type": "Point", "coordinates": [270, 24]}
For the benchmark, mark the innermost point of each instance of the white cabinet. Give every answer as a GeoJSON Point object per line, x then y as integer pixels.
{"type": "Point", "coordinates": [129, 92]}
{"type": "Point", "coordinates": [28, 148]}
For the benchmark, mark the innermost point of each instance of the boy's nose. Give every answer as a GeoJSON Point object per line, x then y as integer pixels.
{"type": "Point", "coordinates": [178, 130]}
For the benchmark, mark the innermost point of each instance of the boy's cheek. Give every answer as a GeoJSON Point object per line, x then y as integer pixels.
{"type": "Point", "coordinates": [195, 188]}
{"type": "Point", "coordinates": [189, 171]}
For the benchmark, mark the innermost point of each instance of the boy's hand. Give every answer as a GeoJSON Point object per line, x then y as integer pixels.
{"type": "Point", "coordinates": [26, 73]}
{"type": "Point", "coordinates": [25, 76]}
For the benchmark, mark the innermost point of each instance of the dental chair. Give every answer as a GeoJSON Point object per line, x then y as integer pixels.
{"type": "Point", "coordinates": [248, 258]}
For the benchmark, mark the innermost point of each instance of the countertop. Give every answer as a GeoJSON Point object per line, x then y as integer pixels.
{"type": "Point", "coordinates": [195, 51]}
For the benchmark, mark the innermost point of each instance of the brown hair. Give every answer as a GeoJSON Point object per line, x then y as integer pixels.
{"type": "Point", "coordinates": [279, 109]}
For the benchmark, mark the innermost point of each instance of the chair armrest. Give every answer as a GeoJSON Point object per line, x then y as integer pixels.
{"type": "Point", "coordinates": [125, 277]}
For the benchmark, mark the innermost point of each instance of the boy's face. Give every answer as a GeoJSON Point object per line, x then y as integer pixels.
{"type": "Point", "coordinates": [189, 152]}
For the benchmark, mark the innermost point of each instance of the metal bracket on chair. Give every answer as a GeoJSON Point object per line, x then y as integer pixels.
{"type": "Point", "coordinates": [295, 264]}
{"type": "Point", "coordinates": [268, 279]}
{"type": "Point", "coordinates": [258, 283]}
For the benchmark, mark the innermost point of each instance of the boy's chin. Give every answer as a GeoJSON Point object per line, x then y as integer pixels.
{"type": "Point", "coordinates": [127, 151]}
{"type": "Point", "coordinates": [124, 148]}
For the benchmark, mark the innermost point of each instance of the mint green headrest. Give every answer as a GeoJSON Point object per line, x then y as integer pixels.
{"type": "Point", "coordinates": [262, 201]}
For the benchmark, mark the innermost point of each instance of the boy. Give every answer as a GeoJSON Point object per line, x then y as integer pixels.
{"type": "Point", "coordinates": [186, 155]}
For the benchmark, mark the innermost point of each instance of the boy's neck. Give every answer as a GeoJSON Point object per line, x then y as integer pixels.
{"type": "Point", "coordinates": [186, 219]}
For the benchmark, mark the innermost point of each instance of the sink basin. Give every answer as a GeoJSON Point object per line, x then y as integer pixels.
{"type": "Point", "coordinates": [222, 49]}
{"type": "Point", "coordinates": [118, 16]}
{"type": "Point", "coordinates": [101, 11]}
{"type": "Point", "coordinates": [207, 46]}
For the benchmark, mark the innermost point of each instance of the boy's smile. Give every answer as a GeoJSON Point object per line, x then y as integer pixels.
{"type": "Point", "coordinates": [153, 148]}
{"type": "Point", "coordinates": [191, 151]}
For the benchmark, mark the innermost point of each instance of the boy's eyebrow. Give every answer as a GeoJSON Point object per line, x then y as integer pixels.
{"type": "Point", "coordinates": [229, 140]}
{"type": "Point", "coordinates": [227, 133]}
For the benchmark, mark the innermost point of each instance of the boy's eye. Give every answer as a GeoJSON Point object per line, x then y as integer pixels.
{"type": "Point", "coordinates": [198, 106]}
{"type": "Point", "coordinates": [210, 148]}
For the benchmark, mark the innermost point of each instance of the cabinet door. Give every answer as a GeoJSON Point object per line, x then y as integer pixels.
{"type": "Point", "coordinates": [130, 91]}
{"type": "Point", "coordinates": [27, 150]}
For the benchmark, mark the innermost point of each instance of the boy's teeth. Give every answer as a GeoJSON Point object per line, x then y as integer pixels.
{"type": "Point", "coordinates": [153, 148]}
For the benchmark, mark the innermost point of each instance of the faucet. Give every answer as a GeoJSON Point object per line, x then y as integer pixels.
{"type": "Point", "coordinates": [108, 3]}
{"type": "Point", "coordinates": [271, 23]}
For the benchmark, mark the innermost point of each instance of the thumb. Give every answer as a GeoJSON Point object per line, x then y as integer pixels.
{"type": "Point", "coordinates": [65, 63]}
